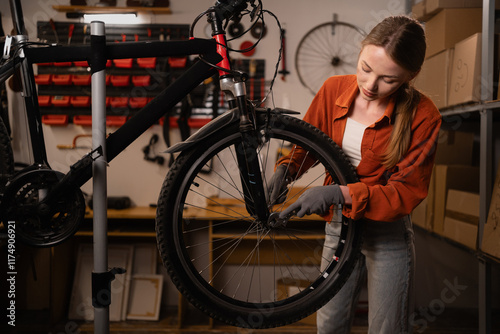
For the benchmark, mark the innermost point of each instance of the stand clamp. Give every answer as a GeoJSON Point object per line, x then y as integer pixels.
{"type": "Point", "coordinates": [101, 287]}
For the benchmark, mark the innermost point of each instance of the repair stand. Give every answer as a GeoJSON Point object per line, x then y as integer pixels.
{"type": "Point", "coordinates": [101, 277]}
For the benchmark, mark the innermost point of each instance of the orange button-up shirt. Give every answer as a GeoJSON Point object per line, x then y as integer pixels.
{"type": "Point", "coordinates": [381, 195]}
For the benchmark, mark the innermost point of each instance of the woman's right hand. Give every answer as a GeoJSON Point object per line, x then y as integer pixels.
{"type": "Point", "coordinates": [278, 185]}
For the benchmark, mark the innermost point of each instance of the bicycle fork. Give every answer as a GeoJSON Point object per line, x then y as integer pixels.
{"type": "Point", "coordinates": [247, 151]}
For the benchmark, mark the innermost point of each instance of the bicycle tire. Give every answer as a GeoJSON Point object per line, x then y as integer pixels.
{"type": "Point", "coordinates": [6, 156]}
{"type": "Point", "coordinates": [197, 266]}
{"type": "Point", "coordinates": [328, 49]}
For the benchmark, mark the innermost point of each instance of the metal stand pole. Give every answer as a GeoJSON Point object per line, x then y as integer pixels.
{"type": "Point", "coordinates": [101, 296]}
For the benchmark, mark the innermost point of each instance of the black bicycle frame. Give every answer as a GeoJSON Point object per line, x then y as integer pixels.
{"type": "Point", "coordinates": [212, 52]}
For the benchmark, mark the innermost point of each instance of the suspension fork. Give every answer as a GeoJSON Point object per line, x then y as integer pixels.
{"type": "Point", "coordinates": [247, 152]}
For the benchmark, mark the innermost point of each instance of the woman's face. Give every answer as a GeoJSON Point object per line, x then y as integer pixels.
{"type": "Point", "coordinates": [377, 74]}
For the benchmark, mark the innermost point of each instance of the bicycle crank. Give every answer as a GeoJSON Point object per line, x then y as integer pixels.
{"type": "Point", "coordinates": [39, 223]}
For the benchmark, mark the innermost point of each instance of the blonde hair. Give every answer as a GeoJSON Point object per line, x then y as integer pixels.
{"type": "Point", "coordinates": [403, 39]}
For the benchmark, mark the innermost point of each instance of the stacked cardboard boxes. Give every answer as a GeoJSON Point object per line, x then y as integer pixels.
{"type": "Point", "coordinates": [451, 72]}
{"type": "Point", "coordinates": [462, 217]}
{"type": "Point", "coordinates": [453, 174]}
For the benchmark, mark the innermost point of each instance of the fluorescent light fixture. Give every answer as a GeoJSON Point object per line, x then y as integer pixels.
{"type": "Point", "coordinates": [108, 18]}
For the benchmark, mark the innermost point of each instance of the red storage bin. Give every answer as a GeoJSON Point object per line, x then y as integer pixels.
{"type": "Point", "coordinates": [119, 102]}
{"type": "Point", "coordinates": [141, 80]}
{"type": "Point", "coordinates": [198, 122]}
{"type": "Point", "coordinates": [61, 79]}
{"type": "Point", "coordinates": [177, 62]}
{"type": "Point", "coordinates": [43, 79]}
{"type": "Point", "coordinates": [80, 101]}
{"type": "Point", "coordinates": [120, 80]}
{"type": "Point", "coordinates": [81, 79]}
{"type": "Point", "coordinates": [60, 101]}
{"type": "Point", "coordinates": [123, 63]}
{"type": "Point", "coordinates": [45, 64]}
{"type": "Point", "coordinates": [146, 62]}
{"type": "Point", "coordinates": [43, 100]}
{"type": "Point", "coordinates": [63, 63]}
{"type": "Point", "coordinates": [115, 120]}
{"type": "Point", "coordinates": [137, 102]}
{"type": "Point", "coordinates": [108, 101]}
{"type": "Point", "coordinates": [83, 120]}
{"type": "Point", "coordinates": [83, 63]}
{"type": "Point", "coordinates": [108, 79]}
{"type": "Point", "coordinates": [55, 119]}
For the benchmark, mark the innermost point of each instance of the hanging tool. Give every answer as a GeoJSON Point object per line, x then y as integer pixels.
{"type": "Point", "coordinates": [284, 72]}
{"type": "Point", "coordinates": [259, 30]}
{"type": "Point", "coordinates": [148, 151]}
{"type": "Point", "coordinates": [73, 145]}
{"type": "Point", "coordinates": [54, 30]}
{"type": "Point", "coordinates": [85, 36]}
{"type": "Point", "coordinates": [70, 32]}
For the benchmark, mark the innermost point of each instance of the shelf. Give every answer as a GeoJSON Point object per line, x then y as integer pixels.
{"type": "Point", "coordinates": [464, 109]}
{"type": "Point", "coordinates": [111, 9]}
{"type": "Point", "coordinates": [139, 212]}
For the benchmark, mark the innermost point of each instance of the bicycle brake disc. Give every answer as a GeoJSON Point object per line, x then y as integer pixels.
{"type": "Point", "coordinates": [39, 224]}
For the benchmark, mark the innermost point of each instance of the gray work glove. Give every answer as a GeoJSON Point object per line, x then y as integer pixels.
{"type": "Point", "coordinates": [315, 200]}
{"type": "Point", "coordinates": [278, 185]}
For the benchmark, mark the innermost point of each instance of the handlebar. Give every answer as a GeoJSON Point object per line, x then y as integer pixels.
{"type": "Point", "coordinates": [229, 9]}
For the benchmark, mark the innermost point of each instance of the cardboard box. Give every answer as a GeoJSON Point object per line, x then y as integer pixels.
{"type": "Point", "coordinates": [462, 217]}
{"type": "Point", "coordinates": [454, 148]}
{"type": "Point", "coordinates": [463, 206]}
{"type": "Point", "coordinates": [451, 26]}
{"type": "Point", "coordinates": [491, 234]}
{"type": "Point", "coordinates": [445, 177]}
{"type": "Point", "coordinates": [432, 7]}
{"type": "Point", "coordinates": [418, 11]}
{"type": "Point", "coordinates": [434, 77]}
{"type": "Point", "coordinates": [419, 216]}
{"type": "Point", "coordinates": [289, 287]}
{"type": "Point", "coordinates": [461, 232]}
{"type": "Point", "coordinates": [466, 71]}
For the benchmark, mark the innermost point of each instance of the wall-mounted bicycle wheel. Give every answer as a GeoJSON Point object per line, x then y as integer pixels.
{"type": "Point", "coordinates": [328, 49]}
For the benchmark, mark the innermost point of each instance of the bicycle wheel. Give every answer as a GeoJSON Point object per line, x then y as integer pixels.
{"type": "Point", "coordinates": [238, 270]}
{"type": "Point", "coordinates": [328, 49]}
{"type": "Point", "coordinates": [6, 156]}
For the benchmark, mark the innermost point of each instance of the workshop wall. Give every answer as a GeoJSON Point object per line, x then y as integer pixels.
{"type": "Point", "coordinates": [129, 174]}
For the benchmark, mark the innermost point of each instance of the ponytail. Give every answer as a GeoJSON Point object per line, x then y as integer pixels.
{"type": "Point", "coordinates": [407, 100]}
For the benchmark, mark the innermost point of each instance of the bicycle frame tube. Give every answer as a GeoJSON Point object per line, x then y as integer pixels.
{"type": "Point", "coordinates": [167, 99]}
{"type": "Point", "coordinates": [17, 16]}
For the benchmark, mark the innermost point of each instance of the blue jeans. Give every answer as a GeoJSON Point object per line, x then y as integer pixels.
{"type": "Point", "coordinates": [387, 262]}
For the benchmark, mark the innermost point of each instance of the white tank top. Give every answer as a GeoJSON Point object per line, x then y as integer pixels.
{"type": "Point", "coordinates": [351, 143]}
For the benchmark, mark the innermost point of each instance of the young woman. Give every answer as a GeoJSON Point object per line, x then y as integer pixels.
{"type": "Point", "coordinates": [388, 130]}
